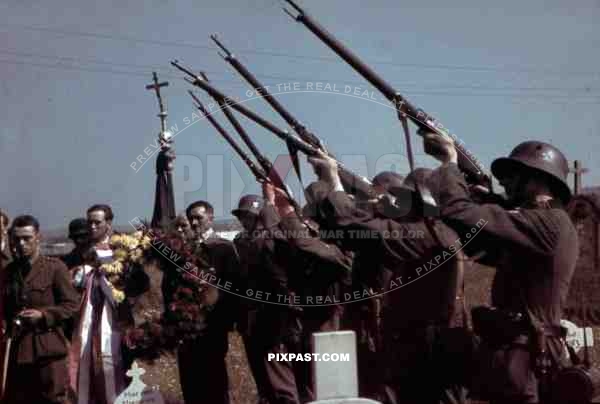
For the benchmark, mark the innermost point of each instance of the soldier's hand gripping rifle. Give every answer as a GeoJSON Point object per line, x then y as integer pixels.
{"type": "Point", "coordinates": [352, 182]}
{"type": "Point", "coordinates": [260, 174]}
{"type": "Point", "coordinates": [426, 123]}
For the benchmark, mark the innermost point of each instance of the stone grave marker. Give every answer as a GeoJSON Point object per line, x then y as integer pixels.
{"type": "Point", "coordinates": [138, 392]}
{"type": "Point", "coordinates": [336, 382]}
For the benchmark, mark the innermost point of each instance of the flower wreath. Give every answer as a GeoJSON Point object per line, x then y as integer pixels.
{"type": "Point", "coordinates": [130, 252]}
{"type": "Point", "coordinates": [190, 298]}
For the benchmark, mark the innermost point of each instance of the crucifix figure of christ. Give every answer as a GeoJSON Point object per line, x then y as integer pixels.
{"type": "Point", "coordinates": [164, 199]}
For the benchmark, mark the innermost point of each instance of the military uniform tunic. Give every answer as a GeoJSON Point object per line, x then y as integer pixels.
{"type": "Point", "coordinates": [536, 250]}
{"type": "Point", "coordinates": [38, 368]}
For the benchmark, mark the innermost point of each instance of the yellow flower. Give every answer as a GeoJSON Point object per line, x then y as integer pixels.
{"type": "Point", "coordinates": [146, 242]}
{"type": "Point", "coordinates": [130, 242]}
{"type": "Point", "coordinates": [118, 295]}
{"type": "Point", "coordinates": [115, 239]}
{"type": "Point", "coordinates": [138, 235]}
{"type": "Point", "coordinates": [120, 254]}
{"type": "Point", "coordinates": [113, 268]}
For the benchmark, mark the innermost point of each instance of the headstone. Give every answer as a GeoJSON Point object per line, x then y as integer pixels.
{"type": "Point", "coordinates": [583, 301]}
{"type": "Point", "coordinates": [336, 382]}
{"type": "Point", "coordinates": [138, 392]}
{"type": "Point", "coordinates": [575, 335]}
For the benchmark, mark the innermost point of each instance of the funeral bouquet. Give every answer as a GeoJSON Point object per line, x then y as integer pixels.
{"type": "Point", "coordinates": [187, 297]}
{"type": "Point", "coordinates": [129, 253]}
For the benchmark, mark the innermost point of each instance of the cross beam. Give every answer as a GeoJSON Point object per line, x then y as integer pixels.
{"type": "Point", "coordinates": [156, 87]}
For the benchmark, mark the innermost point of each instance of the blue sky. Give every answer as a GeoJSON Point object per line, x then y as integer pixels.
{"type": "Point", "coordinates": [75, 113]}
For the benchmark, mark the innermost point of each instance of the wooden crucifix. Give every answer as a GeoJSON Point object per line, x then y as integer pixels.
{"type": "Point", "coordinates": [163, 113]}
{"type": "Point", "coordinates": [164, 199]}
{"type": "Point", "coordinates": [577, 171]}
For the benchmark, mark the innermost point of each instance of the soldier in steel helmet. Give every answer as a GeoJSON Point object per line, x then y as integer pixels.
{"type": "Point", "coordinates": [534, 248]}
{"type": "Point", "coordinates": [420, 299]}
{"type": "Point", "coordinates": [254, 252]}
{"type": "Point", "coordinates": [303, 269]}
{"type": "Point", "coordinates": [369, 273]}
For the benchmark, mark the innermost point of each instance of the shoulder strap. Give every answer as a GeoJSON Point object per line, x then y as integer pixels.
{"type": "Point", "coordinates": [461, 260]}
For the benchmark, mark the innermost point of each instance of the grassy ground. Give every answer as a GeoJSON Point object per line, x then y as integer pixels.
{"type": "Point", "coordinates": [163, 373]}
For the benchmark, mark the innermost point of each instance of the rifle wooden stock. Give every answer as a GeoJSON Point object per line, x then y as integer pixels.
{"type": "Point", "coordinates": [424, 121]}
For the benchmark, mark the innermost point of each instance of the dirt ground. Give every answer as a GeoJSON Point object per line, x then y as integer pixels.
{"type": "Point", "coordinates": [163, 373]}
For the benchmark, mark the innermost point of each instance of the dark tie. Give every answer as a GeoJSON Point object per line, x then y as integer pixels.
{"type": "Point", "coordinates": [97, 297]}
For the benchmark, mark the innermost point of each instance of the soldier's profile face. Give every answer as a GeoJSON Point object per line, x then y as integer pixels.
{"type": "Point", "coordinates": [99, 227]}
{"type": "Point", "coordinates": [200, 220]}
{"type": "Point", "coordinates": [515, 186]}
{"type": "Point", "coordinates": [25, 242]}
{"type": "Point", "coordinates": [247, 220]}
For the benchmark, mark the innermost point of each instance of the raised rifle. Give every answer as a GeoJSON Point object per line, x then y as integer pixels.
{"type": "Point", "coordinates": [260, 174]}
{"type": "Point", "coordinates": [425, 122]}
{"type": "Point", "coordinates": [256, 171]}
{"type": "Point", "coordinates": [264, 162]}
{"type": "Point", "coordinates": [352, 182]}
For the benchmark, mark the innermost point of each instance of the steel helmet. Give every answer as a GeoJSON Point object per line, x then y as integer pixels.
{"type": "Point", "coordinates": [426, 182]}
{"type": "Point", "coordinates": [538, 156]}
{"type": "Point", "coordinates": [388, 179]}
{"type": "Point", "coordinates": [249, 204]}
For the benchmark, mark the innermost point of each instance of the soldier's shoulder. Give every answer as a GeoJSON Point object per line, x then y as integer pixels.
{"type": "Point", "coordinates": [556, 215]}
{"type": "Point", "coordinates": [52, 261]}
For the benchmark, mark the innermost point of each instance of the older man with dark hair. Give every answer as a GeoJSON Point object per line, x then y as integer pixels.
{"type": "Point", "coordinates": [201, 362]}
{"type": "Point", "coordinates": [38, 298]}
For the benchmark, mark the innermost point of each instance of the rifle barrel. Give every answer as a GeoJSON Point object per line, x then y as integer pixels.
{"type": "Point", "coordinates": [260, 176]}
{"type": "Point", "coordinates": [423, 120]}
{"type": "Point", "coordinates": [352, 182]}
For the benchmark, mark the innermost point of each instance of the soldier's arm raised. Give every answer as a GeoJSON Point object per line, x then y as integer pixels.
{"type": "Point", "coordinates": [535, 230]}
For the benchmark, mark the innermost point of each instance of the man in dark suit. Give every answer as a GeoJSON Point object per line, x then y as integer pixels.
{"type": "Point", "coordinates": [38, 298]}
{"type": "Point", "coordinates": [201, 362]}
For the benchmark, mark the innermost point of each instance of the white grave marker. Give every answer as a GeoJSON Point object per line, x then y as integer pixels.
{"type": "Point", "coordinates": [575, 335]}
{"type": "Point", "coordinates": [138, 392]}
{"type": "Point", "coordinates": [336, 382]}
